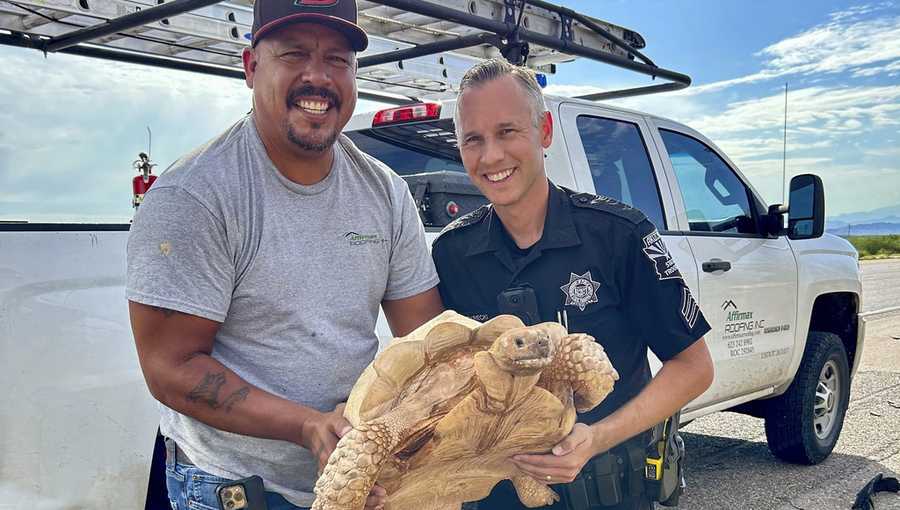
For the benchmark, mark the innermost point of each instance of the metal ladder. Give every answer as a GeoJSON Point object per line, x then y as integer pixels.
{"type": "Point", "coordinates": [429, 44]}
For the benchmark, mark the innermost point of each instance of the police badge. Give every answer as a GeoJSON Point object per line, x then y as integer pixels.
{"type": "Point", "coordinates": [581, 290]}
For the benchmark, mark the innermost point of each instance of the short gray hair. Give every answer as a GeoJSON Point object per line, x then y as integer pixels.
{"type": "Point", "coordinates": [495, 68]}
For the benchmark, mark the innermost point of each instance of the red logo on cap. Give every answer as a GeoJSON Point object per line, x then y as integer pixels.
{"type": "Point", "coordinates": [316, 3]}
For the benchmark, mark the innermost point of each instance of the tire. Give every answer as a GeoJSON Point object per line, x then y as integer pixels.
{"type": "Point", "coordinates": [803, 424]}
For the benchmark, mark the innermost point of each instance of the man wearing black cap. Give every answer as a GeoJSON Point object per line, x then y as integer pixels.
{"type": "Point", "coordinates": [257, 264]}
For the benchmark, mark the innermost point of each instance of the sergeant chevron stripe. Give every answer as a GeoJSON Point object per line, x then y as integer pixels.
{"type": "Point", "coordinates": [689, 309]}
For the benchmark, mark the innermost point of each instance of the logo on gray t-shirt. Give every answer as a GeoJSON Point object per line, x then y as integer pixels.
{"type": "Point", "coordinates": [356, 239]}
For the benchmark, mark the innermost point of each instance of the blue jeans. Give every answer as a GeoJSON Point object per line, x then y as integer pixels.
{"type": "Point", "coordinates": [191, 488]}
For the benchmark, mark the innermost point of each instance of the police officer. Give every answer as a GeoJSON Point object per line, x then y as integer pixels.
{"type": "Point", "coordinates": [600, 263]}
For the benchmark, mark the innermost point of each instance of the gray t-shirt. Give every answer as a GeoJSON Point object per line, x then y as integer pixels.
{"type": "Point", "coordinates": [294, 273]}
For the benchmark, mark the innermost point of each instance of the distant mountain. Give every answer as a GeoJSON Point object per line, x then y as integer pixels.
{"type": "Point", "coordinates": [865, 229]}
{"type": "Point", "coordinates": [881, 221]}
{"type": "Point", "coordinates": [890, 213]}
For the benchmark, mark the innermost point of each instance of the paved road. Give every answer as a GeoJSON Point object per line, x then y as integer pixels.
{"type": "Point", "coordinates": [881, 284]}
{"type": "Point", "coordinates": [730, 465]}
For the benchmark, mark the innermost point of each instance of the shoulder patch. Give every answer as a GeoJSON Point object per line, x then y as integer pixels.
{"type": "Point", "coordinates": [469, 219]}
{"type": "Point", "coordinates": [655, 250]}
{"type": "Point", "coordinates": [608, 205]}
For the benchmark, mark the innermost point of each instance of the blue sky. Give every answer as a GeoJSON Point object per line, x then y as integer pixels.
{"type": "Point", "coordinates": [72, 126]}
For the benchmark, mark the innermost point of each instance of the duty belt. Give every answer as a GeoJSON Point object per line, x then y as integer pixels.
{"type": "Point", "coordinates": [610, 478]}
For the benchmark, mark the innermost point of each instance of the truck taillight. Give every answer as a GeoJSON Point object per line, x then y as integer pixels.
{"type": "Point", "coordinates": [410, 113]}
{"type": "Point", "coordinates": [452, 209]}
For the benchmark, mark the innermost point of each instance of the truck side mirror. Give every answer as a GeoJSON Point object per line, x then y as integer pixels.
{"type": "Point", "coordinates": [806, 207]}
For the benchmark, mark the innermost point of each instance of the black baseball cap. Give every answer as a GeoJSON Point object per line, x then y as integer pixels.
{"type": "Point", "coordinates": [337, 14]}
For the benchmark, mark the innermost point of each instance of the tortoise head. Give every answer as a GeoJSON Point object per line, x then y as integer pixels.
{"type": "Point", "coordinates": [523, 350]}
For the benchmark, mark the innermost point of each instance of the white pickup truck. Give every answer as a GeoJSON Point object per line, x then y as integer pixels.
{"type": "Point", "coordinates": [79, 425]}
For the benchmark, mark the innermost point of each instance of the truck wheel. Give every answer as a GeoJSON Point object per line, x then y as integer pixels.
{"type": "Point", "coordinates": [803, 424]}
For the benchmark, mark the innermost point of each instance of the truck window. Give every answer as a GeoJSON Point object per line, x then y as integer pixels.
{"type": "Point", "coordinates": [412, 148]}
{"type": "Point", "coordinates": [620, 166]}
{"type": "Point", "coordinates": [714, 197]}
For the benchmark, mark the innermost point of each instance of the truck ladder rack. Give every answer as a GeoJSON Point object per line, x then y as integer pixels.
{"type": "Point", "coordinates": [418, 49]}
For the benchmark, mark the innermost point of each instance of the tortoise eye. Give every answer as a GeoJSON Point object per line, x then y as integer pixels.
{"type": "Point", "coordinates": [519, 342]}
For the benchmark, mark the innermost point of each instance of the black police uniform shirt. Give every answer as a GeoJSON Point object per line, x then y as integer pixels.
{"type": "Point", "coordinates": [601, 261]}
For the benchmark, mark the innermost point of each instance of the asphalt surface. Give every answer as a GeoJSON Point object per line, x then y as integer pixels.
{"type": "Point", "coordinates": [881, 284]}
{"type": "Point", "coordinates": [730, 466]}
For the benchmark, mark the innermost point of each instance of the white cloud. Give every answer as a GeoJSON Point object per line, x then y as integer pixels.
{"type": "Point", "coordinates": [748, 148]}
{"type": "Point", "coordinates": [892, 69]}
{"type": "Point", "coordinates": [77, 120]}
{"type": "Point", "coordinates": [851, 12]}
{"type": "Point", "coordinates": [556, 89]}
{"type": "Point", "coordinates": [759, 168]}
{"type": "Point", "coordinates": [825, 126]}
{"type": "Point", "coordinates": [724, 84]}
{"type": "Point", "coordinates": [836, 47]}
{"type": "Point", "coordinates": [846, 43]}
{"type": "Point", "coordinates": [892, 152]}
{"type": "Point", "coordinates": [837, 111]}
{"type": "Point", "coordinates": [878, 184]}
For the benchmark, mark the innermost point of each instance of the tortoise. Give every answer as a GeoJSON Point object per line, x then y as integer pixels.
{"type": "Point", "coordinates": [437, 415]}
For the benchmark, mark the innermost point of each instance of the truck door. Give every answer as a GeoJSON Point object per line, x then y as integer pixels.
{"type": "Point", "coordinates": [612, 154]}
{"type": "Point", "coordinates": [748, 281]}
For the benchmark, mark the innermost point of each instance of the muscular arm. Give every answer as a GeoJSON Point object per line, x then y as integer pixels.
{"type": "Point", "coordinates": [680, 380]}
{"type": "Point", "coordinates": [174, 351]}
{"type": "Point", "coordinates": [405, 315]}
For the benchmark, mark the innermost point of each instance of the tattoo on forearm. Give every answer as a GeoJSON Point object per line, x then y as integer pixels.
{"type": "Point", "coordinates": [234, 398]}
{"type": "Point", "coordinates": [207, 392]}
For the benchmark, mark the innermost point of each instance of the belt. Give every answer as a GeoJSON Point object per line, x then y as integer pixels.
{"type": "Point", "coordinates": [609, 478]}
{"type": "Point", "coordinates": [174, 451]}
{"type": "Point", "coordinates": [182, 457]}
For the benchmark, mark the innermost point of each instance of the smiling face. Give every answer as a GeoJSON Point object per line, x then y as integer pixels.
{"type": "Point", "coordinates": [303, 78]}
{"type": "Point", "coordinates": [500, 145]}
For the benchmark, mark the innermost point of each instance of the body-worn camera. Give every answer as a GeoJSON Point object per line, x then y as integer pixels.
{"type": "Point", "coordinates": [520, 301]}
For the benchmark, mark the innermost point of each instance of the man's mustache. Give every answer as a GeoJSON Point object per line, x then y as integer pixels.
{"type": "Point", "coordinates": [309, 91]}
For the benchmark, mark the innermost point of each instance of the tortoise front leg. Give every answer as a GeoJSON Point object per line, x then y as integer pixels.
{"type": "Point", "coordinates": [354, 465]}
{"type": "Point", "coordinates": [533, 493]}
{"type": "Point", "coordinates": [581, 362]}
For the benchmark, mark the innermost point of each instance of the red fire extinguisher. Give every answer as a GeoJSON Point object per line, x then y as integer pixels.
{"type": "Point", "coordinates": [142, 182]}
